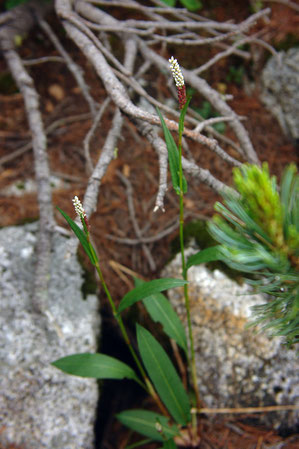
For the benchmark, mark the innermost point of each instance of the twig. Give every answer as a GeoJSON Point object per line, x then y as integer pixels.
{"type": "Point", "coordinates": [159, 145]}
{"type": "Point", "coordinates": [42, 60]}
{"type": "Point", "coordinates": [73, 67]}
{"type": "Point", "coordinates": [107, 154]}
{"type": "Point", "coordinates": [49, 129]}
{"type": "Point", "coordinates": [153, 239]}
{"type": "Point", "coordinates": [90, 134]}
{"type": "Point", "coordinates": [132, 214]}
{"type": "Point", "coordinates": [238, 410]}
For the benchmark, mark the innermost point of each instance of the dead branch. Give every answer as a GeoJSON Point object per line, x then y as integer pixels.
{"type": "Point", "coordinates": [21, 20]}
{"type": "Point", "coordinates": [134, 221]}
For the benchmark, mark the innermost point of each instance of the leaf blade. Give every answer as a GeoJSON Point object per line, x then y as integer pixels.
{"type": "Point", "coordinates": [210, 254]}
{"type": "Point", "coordinates": [145, 422]}
{"type": "Point", "coordinates": [147, 289]}
{"type": "Point", "coordinates": [80, 235]}
{"type": "Point", "coordinates": [173, 154]}
{"type": "Point", "coordinates": [161, 311]}
{"type": "Point", "coordinates": [96, 366]}
{"type": "Point", "coordinates": [164, 376]}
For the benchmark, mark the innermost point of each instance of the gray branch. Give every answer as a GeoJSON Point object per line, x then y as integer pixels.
{"type": "Point", "coordinates": [22, 19]}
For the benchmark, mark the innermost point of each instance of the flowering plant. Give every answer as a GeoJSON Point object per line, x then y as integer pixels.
{"type": "Point", "coordinates": [177, 421]}
{"type": "Point", "coordinates": [258, 233]}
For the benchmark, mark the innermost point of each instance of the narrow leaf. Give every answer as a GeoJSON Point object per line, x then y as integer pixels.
{"type": "Point", "coordinates": [145, 423]}
{"type": "Point", "coordinates": [169, 444]}
{"type": "Point", "coordinates": [173, 155]}
{"type": "Point", "coordinates": [164, 376]}
{"type": "Point", "coordinates": [80, 235]}
{"type": "Point", "coordinates": [206, 255]}
{"type": "Point", "coordinates": [147, 289]}
{"type": "Point", "coordinates": [97, 366]}
{"type": "Point", "coordinates": [161, 311]}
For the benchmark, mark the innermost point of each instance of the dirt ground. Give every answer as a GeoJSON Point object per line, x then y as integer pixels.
{"type": "Point", "coordinates": [63, 106]}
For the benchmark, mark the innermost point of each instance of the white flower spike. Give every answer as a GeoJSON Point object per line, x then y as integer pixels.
{"type": "Point", "coordinates": [78, 207]}
{"type": "Point", "coordinates": [176, 72]}
{"type": "Point", "coordinates": [179, 81]}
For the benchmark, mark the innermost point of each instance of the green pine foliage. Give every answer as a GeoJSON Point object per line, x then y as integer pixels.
{"type": "Point", "coordinates": [258, 229]}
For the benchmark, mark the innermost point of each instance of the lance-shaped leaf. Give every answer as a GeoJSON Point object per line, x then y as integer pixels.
{"type": "Point", "coordinates": [97, 366]}
{"type": "Point", "coordinates": [146, 423]}
{"type": "Point", "coordinates": [147, 289]}
{"type": "Point", "coordinates": [164, 376]}
{"type": "Point", "coordinates": [173, 157]}
{"type": "Point", "coordinates": [206, 255]}
{"type": "Point", "coordinates": [161, 311]}
{"type": "Point", "coordinates": [81, 237]}
{"type": "Point", "coordinates": [169, 444]}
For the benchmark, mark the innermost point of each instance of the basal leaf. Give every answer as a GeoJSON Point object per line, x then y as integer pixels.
{"type": "Point", "coordinates": [145, 423]}
{"type": "Point", "coordinates": [164, 376]}
{"type": "Point", "coordinates": [161, 311]}
{"type": "Point", "coordinates": [97, 366]}
{"type": "Point", "coordinates": [147, 289]}
{"type": "Point", "coordinates": [81, 236]}
{"type": "Point", "coordinates": [206, 255]}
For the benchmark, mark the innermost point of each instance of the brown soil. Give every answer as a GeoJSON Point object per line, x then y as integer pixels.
{"type": "Point", "coordinates": [60, 98]}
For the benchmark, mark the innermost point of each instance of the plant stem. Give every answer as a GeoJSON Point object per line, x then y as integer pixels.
{"type": "Point", "coordinates": [185, 276]}
{"type": "Point", "coordinates": [125, 335]}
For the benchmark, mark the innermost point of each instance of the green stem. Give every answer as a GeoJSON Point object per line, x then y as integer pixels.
{"type": "Point", "coordinates": [185, 276]}
{"type": "Point", "coordinates": [149, 387]}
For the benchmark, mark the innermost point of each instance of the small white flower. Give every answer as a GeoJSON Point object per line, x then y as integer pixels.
{"type": "Point", "coordinates": [176, 72]}
{"type": "Point", "coordinates": [78, 207]}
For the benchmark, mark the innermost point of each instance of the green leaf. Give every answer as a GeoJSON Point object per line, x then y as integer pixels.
{"type": "Point", "coordinates": [192, 5]}
{"type": "Point", "coordinates": [161, 311]}
{"type": "Point", "coordinates": [173, 155]}
{"type": "Point", "coordinates": [206, 255]}
{"type": "Point", "coordinates": [145, 423]}
{"type": "Point", "coordinates": [169, 2]}
{"type": "Point", "coordinates": [169, 444]}
{"type": "Point", "coordinates": [81, 236]}
{"type": "Point", "coordinates": [286, 192]}
{"type": "Point", "coordinates": [97, 366]}
{"type": "Point", "coordinates": [147, 289]}
{"type": "Point", "coordinates": [164, 376]}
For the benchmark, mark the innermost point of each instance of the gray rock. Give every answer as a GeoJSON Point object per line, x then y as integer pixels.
{"type": "Point", "coordinates": [236, 367]}
{"type": "Point", "coordinates": [280, 90]}
{"type": "Point", "coordinates": [41, 407]}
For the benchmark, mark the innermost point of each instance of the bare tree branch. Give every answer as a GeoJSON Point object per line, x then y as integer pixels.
{"type": "Point", "coordinates": [27, 88]}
